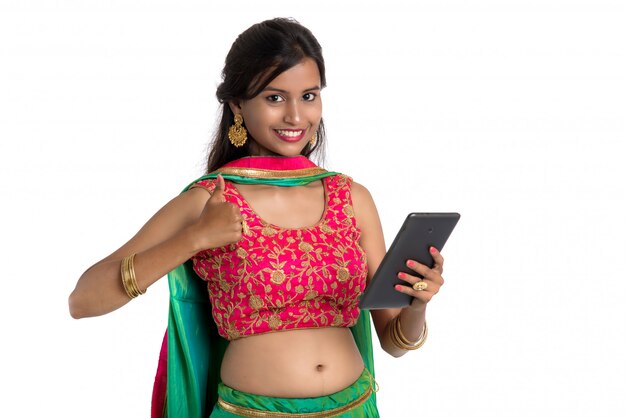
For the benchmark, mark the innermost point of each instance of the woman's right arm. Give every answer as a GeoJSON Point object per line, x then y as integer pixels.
{"type": "Point", "coordinates": [189, 223]}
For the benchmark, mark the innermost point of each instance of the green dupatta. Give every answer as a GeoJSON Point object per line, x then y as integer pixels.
{"type": "Point", "coordinates": [194, 347]}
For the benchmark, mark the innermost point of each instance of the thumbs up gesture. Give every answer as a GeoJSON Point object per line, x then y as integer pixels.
{"type": "Point", "coordinates": [219, 224]}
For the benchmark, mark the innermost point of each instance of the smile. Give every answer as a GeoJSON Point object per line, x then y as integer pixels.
{"type": "Point", "coordinates": [290, 135]}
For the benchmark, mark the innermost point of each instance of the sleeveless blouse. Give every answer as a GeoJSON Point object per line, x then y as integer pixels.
{"type": "Point", "coordinates": [276, 279]}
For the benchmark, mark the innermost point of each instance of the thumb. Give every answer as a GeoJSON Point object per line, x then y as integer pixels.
{"type": "Point", "coordinates": [218, 193]}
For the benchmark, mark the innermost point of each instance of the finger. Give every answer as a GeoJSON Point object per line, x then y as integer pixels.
{"type": "Point", "coordinates": [424, 271]}
{"type": "Point", "coordinates": [408, 278]}
{"type": "Point", "coordinates": [218, 192]}
{"type": "Point", "coordinates": [220, 183]}
{"type": "Point", "coordinates": [433, 285]}
{"type": "Point", "coordinates": [419, 268]}
{"type": "Point", "coordinates": [423, 295]}
{"type": "Point", "coordinates": [236, 213]}
{"type": "Point", "coordinates": [437, 258]}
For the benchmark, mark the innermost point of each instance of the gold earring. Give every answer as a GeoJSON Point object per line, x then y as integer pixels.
{"type": "Point", "coordinates": [313, 140]}
{"type": "Point", "coordinates": [237, 134]}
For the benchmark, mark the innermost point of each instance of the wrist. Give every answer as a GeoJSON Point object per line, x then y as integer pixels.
{"type": "Point", "coordinates": [417, 307]}
{"type": "Point", "coordinates": [399, 338]}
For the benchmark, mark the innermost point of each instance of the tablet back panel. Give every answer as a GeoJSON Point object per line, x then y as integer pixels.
{"type": "Point", "coordinates": [419, 232]}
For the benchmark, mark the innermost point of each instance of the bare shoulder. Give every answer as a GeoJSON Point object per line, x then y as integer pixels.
{"type": "Point", "coordinates": [363, 203]}
{"type": "Point", "coordinates": [360, 192]}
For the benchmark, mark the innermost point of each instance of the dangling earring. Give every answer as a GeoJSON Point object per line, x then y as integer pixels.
{"type": "Point", "coordinates": [313, 140]}
{"type": "Point", "coordinates": [237, 134]}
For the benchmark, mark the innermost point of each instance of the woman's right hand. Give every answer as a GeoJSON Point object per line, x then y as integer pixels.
{"type": "Point", "coordinates": [220, 222]}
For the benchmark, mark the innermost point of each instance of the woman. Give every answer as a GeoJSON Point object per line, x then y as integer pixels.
{"type": "Point", "coordinates": [285, 249]}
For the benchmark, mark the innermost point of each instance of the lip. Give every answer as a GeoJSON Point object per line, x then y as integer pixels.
{"type": "Point", "coordinates": [290, 138]}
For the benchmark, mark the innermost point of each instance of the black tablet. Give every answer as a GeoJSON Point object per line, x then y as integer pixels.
{"type": "Point", "coordinates": [419, 232]}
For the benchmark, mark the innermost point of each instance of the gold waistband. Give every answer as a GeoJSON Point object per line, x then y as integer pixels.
{"type": "Point", "coordinates": [256, 413]}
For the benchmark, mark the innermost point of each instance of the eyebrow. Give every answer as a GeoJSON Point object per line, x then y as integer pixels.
{"type": "Point", "coordinates": [270, 88]}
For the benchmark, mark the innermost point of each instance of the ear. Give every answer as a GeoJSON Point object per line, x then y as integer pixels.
{"type": "Point", "coordinates": [234, 106]}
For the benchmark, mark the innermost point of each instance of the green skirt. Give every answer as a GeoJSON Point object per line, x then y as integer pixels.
{"type": "Point", "coordinates": [357, 400]}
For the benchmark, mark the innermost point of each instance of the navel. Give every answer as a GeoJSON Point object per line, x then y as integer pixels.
{"type": "Point", "coordinates": [319, 367]}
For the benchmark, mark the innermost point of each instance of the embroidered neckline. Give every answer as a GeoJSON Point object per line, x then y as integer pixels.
{"type": "Point", "coordinates": [264, 223]}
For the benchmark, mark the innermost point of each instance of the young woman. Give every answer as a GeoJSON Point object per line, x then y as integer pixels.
{"type": "Point", "coordinates": [267, 256]}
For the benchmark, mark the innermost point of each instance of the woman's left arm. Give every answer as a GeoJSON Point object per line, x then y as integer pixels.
{"type": "Point", "coordinates": [413, 317]}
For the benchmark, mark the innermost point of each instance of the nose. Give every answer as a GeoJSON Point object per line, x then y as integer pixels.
{"type": "Point", "coordinates": [292, 112]}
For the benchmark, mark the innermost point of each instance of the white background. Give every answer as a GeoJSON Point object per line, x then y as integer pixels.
{"type": "Point", "coordinates": [509, 112]}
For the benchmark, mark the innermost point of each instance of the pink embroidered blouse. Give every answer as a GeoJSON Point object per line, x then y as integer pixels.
{"type": "Point", "coordinates": [277, 279]}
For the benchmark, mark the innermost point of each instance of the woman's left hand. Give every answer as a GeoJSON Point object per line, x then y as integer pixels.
{"type": "Point", "coordinates": [432, 279]}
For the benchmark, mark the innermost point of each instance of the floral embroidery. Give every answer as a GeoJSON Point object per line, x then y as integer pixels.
{"type": "Point", "coordinates": [343, 274]}
{"type": "Point", "coordinates": [276, 279]}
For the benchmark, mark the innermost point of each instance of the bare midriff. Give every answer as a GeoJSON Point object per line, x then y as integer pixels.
{"type": "Point", "coordinates": [297, 363]}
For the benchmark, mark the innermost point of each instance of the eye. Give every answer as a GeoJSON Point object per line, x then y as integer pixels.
{"type": "Point", "coordinates": [309, 97]}
{"type": "Point", "coordinates": [275, 98]}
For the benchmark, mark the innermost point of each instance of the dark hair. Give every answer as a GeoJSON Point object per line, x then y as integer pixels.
{"type": "Point", "coordinates": [258, 56]}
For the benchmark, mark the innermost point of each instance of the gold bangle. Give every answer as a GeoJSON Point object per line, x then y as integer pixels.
{"type": "Point", "coordinates": [403, 338]}
{"type": "Point", "coordinates": [126, 279]}
{"type": "Point", "coordinates": [404, 343]}
{"type": "Point", "coordinates": [394, 337]}
{"type": "Point", "coordinates": [131, 265]}
{"type": "Point", "coordinates": [399, 339]}
{"type": "Point", "coordinates": [129, 280]}
{"type": "Point", "coordinates": [133, 282]}
{"type": "Point", "coordinates": [124, 273]}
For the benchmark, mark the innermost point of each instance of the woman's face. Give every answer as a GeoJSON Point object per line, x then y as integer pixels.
{"type": "Point", "coordinates": [282, 119]}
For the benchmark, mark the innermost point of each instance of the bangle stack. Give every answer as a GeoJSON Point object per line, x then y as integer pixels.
{"type": "Point", "coordinates": [399, 339]}
{"type": "Point", "coordinates": [129, 281]}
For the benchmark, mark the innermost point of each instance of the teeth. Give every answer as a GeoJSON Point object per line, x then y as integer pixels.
{"type": "Point", "coordinates": [292, 134]}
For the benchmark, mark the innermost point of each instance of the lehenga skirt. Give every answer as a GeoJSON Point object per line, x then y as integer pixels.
{"type": "Point", "coordinates": [357, 400]}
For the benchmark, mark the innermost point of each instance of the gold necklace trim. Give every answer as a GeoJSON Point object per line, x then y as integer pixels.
{"type": "Point", "coordinates": [256, 413]}
{"type": "Point", "coordinates": [271, 174]}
